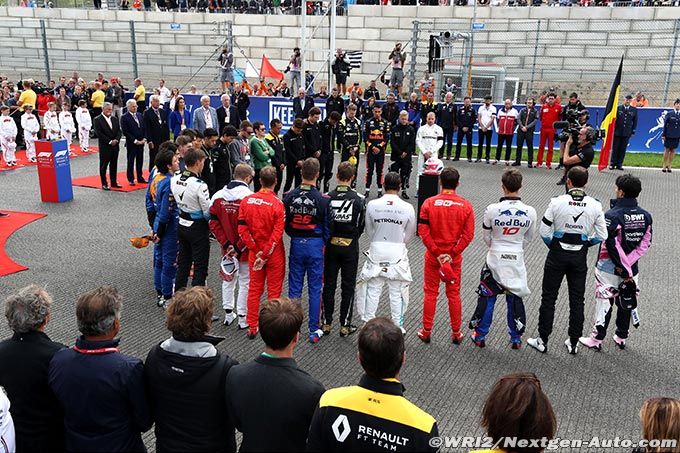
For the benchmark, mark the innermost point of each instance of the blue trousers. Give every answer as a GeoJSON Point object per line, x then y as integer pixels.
{"type": "Point", "coordinates": [165, 264]}
{"type": "Point", "coordinates": [516, 316]}
{"type": "Point", "coordinates": [306, 257]}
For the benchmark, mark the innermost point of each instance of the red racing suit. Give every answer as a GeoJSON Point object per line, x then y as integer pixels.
{"type": "Point", "coordinates": [260, 225]}
{"type": "Point", "coordinates": [446, 225]}
{"type": "Point", "coordinates": [548, 115]}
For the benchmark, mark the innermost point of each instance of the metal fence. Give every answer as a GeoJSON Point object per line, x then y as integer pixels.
{"type": "Point", "coordinates": [535, 55]}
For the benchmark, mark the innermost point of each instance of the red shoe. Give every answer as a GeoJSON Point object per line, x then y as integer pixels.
{"type": "Point", "coordinates": [479, 343]}
{"type": "Point", "coordinates": [548, 167]}
{"type": "Point", "coordinates": [252, 333]}
{"type": "Point", "coordinates": [424, 335]}
{"type": "Point", "coordinates": [456, 337]}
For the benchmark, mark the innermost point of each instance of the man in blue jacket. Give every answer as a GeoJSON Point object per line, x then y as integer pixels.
{"type": "Point", "coordinates": [308, 225]}
{"type": "Point", "coordinates": [132, 127]}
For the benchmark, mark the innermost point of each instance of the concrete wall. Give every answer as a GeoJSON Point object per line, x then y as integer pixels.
{"type": "Point", "coordinates": [99, 41]}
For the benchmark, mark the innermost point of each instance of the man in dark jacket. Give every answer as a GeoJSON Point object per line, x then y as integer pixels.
{"type": "Point", "coordinates": [38, 419]}
{"type": "Point", "coordinates": [291, 395]}
{"type": "Point", "coordinates": [221, 157]}
{"type": "Point", "coordinates": [526, 125]}
{"type": "Point", "coordinates": [274, 140]}
{"type": "Point", "coordinates": [107, 128]}
{"type": "Point", "coordinates": [330, 143]}
{"type": "Point", "coordinates": [302, 104]}
{"type": "Point", "coordinates": [101, 391]}
{"type": "Point", "coordinates": [132, 127]}
{"type": "Point", "coordinates": [294, 145]}
{"type": "Point", "coordinates": [391, 110]}
{"type": "Point", "coordinates": [446, 118]}
{"type": "Point", "coordinates": [403, 144]}
{"type": "Point", "coordinates": [311, 132]}
{"type": "Point", "coordinates": [466, 117]}
{"type": "Point", "coordinates": [210, 138]}
{"type": "Point", "coordinates": [335, 103]}
{"type": "Point", "coordinates": [186, 377]}
{"type": "Point", "coordinates": [626, 123]}
{"type": "Point", "coordinates": [241, 101]}
{"type": "Point", "coordinates": [227, 114]}
{"type": "Point", "coordinates": [156, 128]}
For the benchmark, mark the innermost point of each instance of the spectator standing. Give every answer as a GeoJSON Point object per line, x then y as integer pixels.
{"type": "Point", "coordinates": [116, 94]}
{"type": "Point", "coordinates": [550, 112]}
{"type": "Point", "coordinates": [283, 423]}
{"type": "Point", "coordinates": [260, 151]}
{"type": "Point", "coordinates": [341, 68]}
{"type": "Point", "coordinates": [626, 123]}
{"type": "Point", "coordinates": [186, 379]}
{"type": "Point", "coordinates": [302, 104]}
{"type": "Point", "coordinates": [132, 127]}
{"type": "Point", "coordinates": [397, 59]}
{"type": "Point", "coordinates": [241, 101]}
{"type": "Point", "coordinates": [381, 354]}
{"type": "Point", "coordinates": [38, 419]}
{"type": "Point", "coordinates": [226, 64]}
{"type": "Point", "coordinates": [164, 93]}
{"type": "Point", "coordinates": [205, 117]}
{"type": "Point", "coordinates": [506, 121]}
{"type": "Point", "coordinates": [179, 118]}
{"type": "Point", "coordinates": [525, 133]}
{"type": "Point", "coordinates": [107, 128]}
{"type": "Point", "coordinates": [140, 95]}
{"type": "Point", "coordinates": [671, 136]}
{"type": "Point", "coordinates": [97, 99]}
{"type": "Point", "coordinates": [294, 66]}
{"type": "Point", "coordinates": [101, 390]}
{"type": "Point", "coordinates": [294, 146]}
{"type": "Point", "coordinates": [156, 127]}
{"type": "Point", "coordinates": [28, 96]}
{"type": "Point", "coordinates": [227, 114]}
{"type": "Point", "coordinates": [486, 117]}
{"type": "Point", "coordinates": [446, 118]}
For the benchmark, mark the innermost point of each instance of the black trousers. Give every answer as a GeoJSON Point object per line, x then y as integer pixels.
{"type": "Point", "coordinates": [256, 181]}
{"type": "Point", "coordinates": [558, 264]}
{"type": "Point", "coordinates": [622, 322]}
{"type": "Point", "coordinates": [374, 162]}
{"type": "Point", "coordinates": [108, 159]}
{"type": "Point", "coordinates": [403, 167]}
{"type": "Point", "coordinates": [481, 136]}
{"type": "Point", "coordinates": [504, 140]}
{"type": "Point", "coordinates": [448, 143]}
{"type": "Point", "coordinates": [152, 156]}
{"type": "Point", "coordinates": [279, 179]}
{"type": "Point", "coordinates": [293, 177]}
{"type": "Point", "coordinates": [346, 260]}
{"type": "Point", "coordinates": [326, 169]}
{"type": "Point", "coordinates": [135, 161]}
{"type": "Point", "coordinates": [619, 150]}
{"type": "Point", "coordinates": [459, 142]}
{"type": "Point", "coordinates": [527, 137]}
{"type": "Point", "coordinates": [194, 248]}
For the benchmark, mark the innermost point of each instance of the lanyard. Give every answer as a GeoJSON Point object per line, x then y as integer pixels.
{"type": "Point", "coordinates": [94, 351]}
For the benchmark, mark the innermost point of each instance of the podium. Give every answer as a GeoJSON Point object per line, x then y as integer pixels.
{"type": "Point", "coordinates": [428, 186]}
{"type": "Point", "coordinates": [54, 171]}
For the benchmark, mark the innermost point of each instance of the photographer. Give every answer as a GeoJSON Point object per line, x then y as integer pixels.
{"type": "Point", "coordinates": [571, 113]}
{"type": "Point", "coordinates": [581, 152]}
{"type": "Point", "coordinates": [294, 65]}
{"type": "Point", "coordinates": [341, 68]}
{"type": "Point", "coordinates": [397, 59]}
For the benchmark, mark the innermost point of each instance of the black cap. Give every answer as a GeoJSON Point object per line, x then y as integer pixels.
{"type": "Point", "coordinates": [629, 97]}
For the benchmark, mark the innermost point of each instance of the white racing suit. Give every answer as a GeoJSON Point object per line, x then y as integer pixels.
{"type": "Point", "coordinates": [51, 123]}
{"type": "Point", "coordinates": [7, 439]}
{"type": "Point", "coordinates": [31, 126]}
{"type": "Point", "coordinates": [508, 226]}
{"type": "Point", "coordinates": [67, 127]}
{"type": "Point", "coordinates": [84, 125]}
{"type": "Point", "coordinates": [428, 139]}
{"type": "Point", "coordinates": [390, 225]}
{"type": "Point", "coordinates": [8, 134]}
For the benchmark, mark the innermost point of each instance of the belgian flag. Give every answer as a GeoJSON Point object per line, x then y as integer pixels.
{"type": "Point", "coordinates": [609, 121]}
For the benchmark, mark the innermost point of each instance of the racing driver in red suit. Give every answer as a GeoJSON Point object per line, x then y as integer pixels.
{"type": "Point", "coordinates": [260, 225]}
{"type": "Point", "coordinates": [446, 225]}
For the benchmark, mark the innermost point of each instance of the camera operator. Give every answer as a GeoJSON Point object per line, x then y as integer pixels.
{"type": "Point", "coordinates": [397, 59]}
{"type": "Point", "coordinates": [581, 152]}
{"type": "Point", "coordinates": [294, 67]}
{"type": "Point", "coordinates": [341, 67]}
{"type": "Point", "coordinates": [571, 113]}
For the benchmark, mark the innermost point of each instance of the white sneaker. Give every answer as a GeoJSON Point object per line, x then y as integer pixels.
{"type": "Point", "coordinates": [229, 317]}
{"type": "Point", "coordinates": [380, 193]}
{"type": "Point", "coordinates": [537, 344]}
{"type": "Point", "coordinates": [571, 349]}
{"type": "Point", "coordinates": [242, 323]}
{"type": "Point", "coordinates": [403, 331]}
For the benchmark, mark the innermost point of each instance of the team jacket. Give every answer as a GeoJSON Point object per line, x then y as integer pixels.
{"type": "Point", "coordinates": [377, 132]}
{"type": "Point", "coordinates": [224, 208]}
{"type": "Point", "coordinates": [629, 236]}
{"type": "Point", "coordinates": [294, 145]}
{"type": "Point", "coordinates": [348, 210]}
{"type": "Point", "coordinates": [260, 222]}
{"type": "Point", "coordinates": [446, 115]}
{"type": "Point", "coordinates": [191, 195]}
{"type": "Point", "coordinates": [350, 133]}
{"type": "Point", "coordinates": [507, 120]}
{"type": "Point", "coordinates": [8, 128]}
{"type": "Point", "coordinates": [312, 138]}
{"type": "Point", "coordinates": [573, 222]}
{"type": "Point", "coordinates": [277, 145]}
{"type": "Point", "coordinates": [329, 137]}
{"type": "Point", "coordinates": [508, 225]}
{"type": "Point", "coordinates": [466, 117]}
{"type": "Point", "coordinates": [402, 140]}
{"type": "Point", "coordinates": [549, 115]}
{"type": "Point", "coordinates": [307, 213]}
{"type": "Point", "coordinates": [371, 416]}
{"type": "Point", "coordinates": [446, 224]}
{"type": "Point", "coordinates": [391, 113]}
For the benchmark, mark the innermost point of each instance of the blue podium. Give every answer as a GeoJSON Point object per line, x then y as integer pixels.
{"type": "Point", "coordinates": [54, 171]}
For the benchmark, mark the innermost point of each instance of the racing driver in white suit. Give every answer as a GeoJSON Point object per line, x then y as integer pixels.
{"type": "Point", "coordinates": [429, 138]}
{"type": "Point", "coordinates": [390, 225]}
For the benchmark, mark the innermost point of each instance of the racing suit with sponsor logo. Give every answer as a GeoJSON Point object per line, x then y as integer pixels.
{"type": "Point", "coordinates": [260, 226]}
{"type": "Point", "coordinates": [308, 225]}
{"type": "Point", "coordinates": [350, 140]}
{"type": "Point", "coordinates": [508, 226]}
{"type": "Point", "coordinates": [193, 201]}
{"type": "Point", "coordinates": [162, 213]}
{"type": "Point", "coordinates": [446, 225]}
{"type": "Point", "coordinates": [429, 139]}
{"type": "Point", "coordinates": [629, 236]}
{"type": "Point", "coordinates": [224, 209]}
{"type": "Point", "coordinates": [572, 223]}
{"type": "Point", "coordinates": [342, 252]}
{"type": "Point", "coordinates": [390, 225]}
{"type": "Point", "coordinates": [371, 416]}
{"type": "Point", "coordinates": [376, 132]}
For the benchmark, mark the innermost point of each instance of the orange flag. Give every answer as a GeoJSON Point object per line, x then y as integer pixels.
{"type": "Point", "coordinates": [268, 70]}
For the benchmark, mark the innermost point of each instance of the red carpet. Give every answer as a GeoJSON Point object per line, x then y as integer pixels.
{"type": "Point", "coordinates": [94, 182]}
{"type": "Point", "coordinates": [22, 161]}
{"type": "Point", "coordinates": [8, 225]}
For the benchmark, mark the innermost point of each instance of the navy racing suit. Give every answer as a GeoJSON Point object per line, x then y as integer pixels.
{"type": "Point", "coordinates": [162, 214]}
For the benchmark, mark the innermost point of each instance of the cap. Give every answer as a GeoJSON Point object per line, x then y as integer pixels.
{"type": "Point", "coordinates": [627, 297]}
{"type": "Point", "coordinates": [140, 242]}
{"type": "Point", "coordinates": [446, 273]}
{"type": "Point", "coordinates": [629, 97]}
{"type": "Point", "coordinates": [228, 268]}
